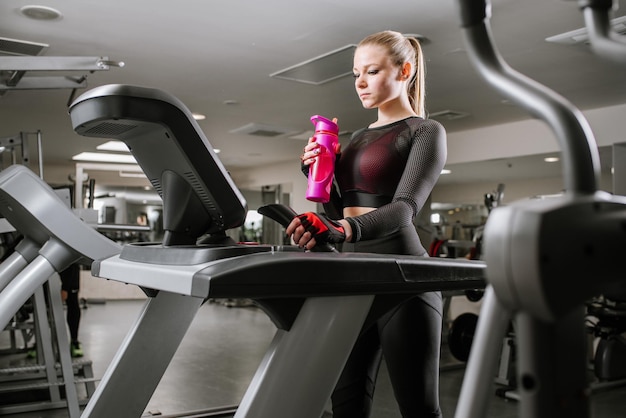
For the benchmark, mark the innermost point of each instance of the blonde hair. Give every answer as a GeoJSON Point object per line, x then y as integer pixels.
{"type": "Point", "coordinates": [403, 49]}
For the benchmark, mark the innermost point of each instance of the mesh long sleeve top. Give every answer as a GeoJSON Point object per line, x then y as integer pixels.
{"type": "Point", "coordinates": [392, 168]}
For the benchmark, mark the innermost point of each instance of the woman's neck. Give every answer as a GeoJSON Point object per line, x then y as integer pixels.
{"type": "Point", "coordinates": [393, 112]}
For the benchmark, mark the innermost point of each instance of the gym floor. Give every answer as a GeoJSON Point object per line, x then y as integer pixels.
{"type": "Point", "coordinates": [221, 352]}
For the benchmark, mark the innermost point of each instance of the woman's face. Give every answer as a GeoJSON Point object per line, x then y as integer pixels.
{"type": "Point", "coordinates": [376, 79]}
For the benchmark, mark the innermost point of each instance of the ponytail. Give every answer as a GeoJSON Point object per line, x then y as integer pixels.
{"type": "Point", "coordinates": [416, 86]}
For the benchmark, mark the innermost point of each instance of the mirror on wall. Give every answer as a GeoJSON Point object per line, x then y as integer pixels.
{"type": "Point", "coordinates": [258, 228]}
{"type": "Point", "coordinates": [457, 222]}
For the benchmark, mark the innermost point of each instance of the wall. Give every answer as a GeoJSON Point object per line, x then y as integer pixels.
{"type": "Point", "coordinates": [287, 174]}
{"type": "Point", "coordinates": [473, 193]}
{"type": "Point", "coordinates": [527, 137]}
{"type": "Point", "coordinates": [531, 136]}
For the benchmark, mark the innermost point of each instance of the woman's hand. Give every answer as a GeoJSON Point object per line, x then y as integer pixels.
{"type": "Point", "coordinates": [312, 150]}
{"type": "Point", "coordinates": [307, 229]}
{"type": "Point", "coordinates": [301, 237]}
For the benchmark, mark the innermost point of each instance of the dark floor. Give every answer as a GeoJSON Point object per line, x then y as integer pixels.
{"type": "Point", "coordinates": [222, 350]}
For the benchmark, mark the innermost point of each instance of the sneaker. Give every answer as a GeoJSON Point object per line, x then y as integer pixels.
{"type": "Point", "coordinates": [76, 349]}
{"type": "Point", "coordinates": [31, 353]}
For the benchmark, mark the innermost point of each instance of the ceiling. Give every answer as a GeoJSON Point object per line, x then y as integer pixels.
{"type": "Point", "coordinates": [218, 58]}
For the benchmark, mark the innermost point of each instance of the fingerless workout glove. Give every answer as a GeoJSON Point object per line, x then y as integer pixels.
{"type": "Point", "coordinates": [322, 228]}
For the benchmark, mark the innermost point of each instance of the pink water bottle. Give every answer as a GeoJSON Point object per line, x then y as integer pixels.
{"type": "Point", "coordinates": [322, 171]}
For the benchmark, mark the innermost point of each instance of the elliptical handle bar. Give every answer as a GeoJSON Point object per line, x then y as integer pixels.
{"type": "Point", "coordinates": [604, 41]}
{"type": "Point", "coordinates": [581, 165]}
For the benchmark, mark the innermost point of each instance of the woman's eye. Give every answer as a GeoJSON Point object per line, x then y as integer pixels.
{"type": "Point", "coordinates": [372, 72]}
{"type": "Point", "coordinates": [355, 75]}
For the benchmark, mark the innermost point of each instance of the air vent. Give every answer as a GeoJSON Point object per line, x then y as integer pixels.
{"type": "Point", "coordinates": [258, 129]}
{"type": "Point", "coordinates": [206, 198]}
{"type": "Point", "coordinates": [581, 35]}
{"type": "Point", "coordinates": [108, 129]}
{"type": "Point", "coordinates": [448, 115]}
{"type": "Point", "coordinates": [321, 69]}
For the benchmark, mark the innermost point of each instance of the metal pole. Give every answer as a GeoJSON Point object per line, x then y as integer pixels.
{"type": "Point", "coordinates": [40, 154]}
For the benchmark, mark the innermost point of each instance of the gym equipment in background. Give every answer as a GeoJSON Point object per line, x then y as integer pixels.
{"type": "Point", "coordinates": [609, 309]}
{"type": "Point", "coordinates": [603, 39]}
{"type": "Point", "coordinates": [533, 278]}
{"type": "Point", "coordinates": [318, 301]}
{"type": "Point", "coordinates": [54, 238]}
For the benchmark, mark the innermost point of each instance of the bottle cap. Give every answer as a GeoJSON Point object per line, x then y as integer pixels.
{"type": "Point", "coordinates": [324, 124]}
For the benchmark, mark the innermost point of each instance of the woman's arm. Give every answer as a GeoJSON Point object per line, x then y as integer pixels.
{"type": "Point", "coordinates": [426, 160]}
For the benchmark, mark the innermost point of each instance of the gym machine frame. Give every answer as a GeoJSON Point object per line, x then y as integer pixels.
{"type": "Point", "coordinates": [604, 41]}
{"type": "Point", "coordinates": [54, 238]}
{"type": "Point", "coordinates": [18, 65]}
{"type": "Point", "coordinates": [532, 278]}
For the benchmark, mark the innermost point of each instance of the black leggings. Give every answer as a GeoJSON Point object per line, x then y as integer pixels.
{"type": "Point", "coordinates": [408, 337]}
{"type": "Point", "coordinates": [70, 283]}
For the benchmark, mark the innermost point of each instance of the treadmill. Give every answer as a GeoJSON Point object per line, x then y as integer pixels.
{"type": "Point", "coordinates": [319, 301]}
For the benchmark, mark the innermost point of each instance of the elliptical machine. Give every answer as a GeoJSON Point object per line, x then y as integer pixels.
{"type": "Point", "coordinates": [609, 309]}
{"type": "Point", "coordinates": [532, 279]}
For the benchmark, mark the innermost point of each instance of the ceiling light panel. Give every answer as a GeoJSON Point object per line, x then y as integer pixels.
{"type": "Point", "coordinates": [321, 69]}
{"type": "Point", "coordinates": [105, 158]}
{"type": "Point", "coordinates": [116, 146]}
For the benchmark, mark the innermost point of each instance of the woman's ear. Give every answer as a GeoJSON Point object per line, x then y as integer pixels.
{"type": "Point", "coordinates": [406, 70]}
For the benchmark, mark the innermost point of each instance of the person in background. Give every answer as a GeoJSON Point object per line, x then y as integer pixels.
{"type": "Point", "coordinates": [70, 286]}
{"type": "Point", "coordinates": [384, 177]}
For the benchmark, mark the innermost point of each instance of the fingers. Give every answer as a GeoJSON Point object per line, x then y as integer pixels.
{"type": "Point", "coordinates": [291, 228]}
{"type": "Point", "coordinates": [310, 243]}
{"type": "Point", "coordinates": [311, 150]}
{"type": "Point", "coordinates": [305, 240]}
{"type": "Point", "coordinates": [301, 237]}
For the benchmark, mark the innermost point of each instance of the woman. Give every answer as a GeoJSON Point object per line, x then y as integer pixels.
{"type": "Point", "coordinates": [384, 176]}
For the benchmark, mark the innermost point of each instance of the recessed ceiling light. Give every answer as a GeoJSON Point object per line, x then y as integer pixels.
{"type": "Point", "coordinates": [445, 171]}
{"type": "Point", "coordinates": [551, 159]}
{"type": "Point", "coordinates": [40, 12]}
